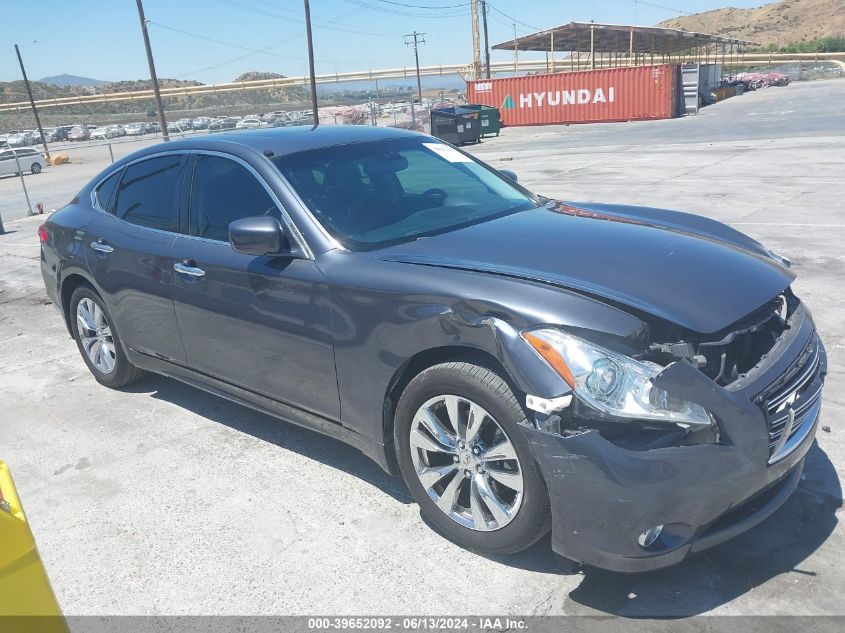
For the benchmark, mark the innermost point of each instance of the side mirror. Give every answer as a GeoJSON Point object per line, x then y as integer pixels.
{"type": "Point", "coordinates": [261, 235]}
{"type": "Point", "coordinates": [507, 173]}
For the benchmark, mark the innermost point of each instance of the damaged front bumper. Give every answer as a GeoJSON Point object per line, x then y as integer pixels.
{"type": "Point", "coordinates": [605, 497]}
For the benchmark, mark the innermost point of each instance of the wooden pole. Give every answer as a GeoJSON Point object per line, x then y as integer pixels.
{"type": "Point", "coordinates": [486, 39]}
{"type": "Point", "coordinates": [153, 76]}
{"type": "Point", "coordinates": [314, 108]}
{"type": "Point", "coordinates": [593, 47]}
{"type": "Point", "coordinates": [32, 103]}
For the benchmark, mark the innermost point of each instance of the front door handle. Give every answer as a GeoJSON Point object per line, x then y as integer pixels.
{"type": "Point", "coordinates": [186, 267]}
{"type": "Point", "coordinates": [101, 247]}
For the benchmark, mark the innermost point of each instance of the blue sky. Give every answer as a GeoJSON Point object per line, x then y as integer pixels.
{"type": "Point", "coordinates": [215, 40]}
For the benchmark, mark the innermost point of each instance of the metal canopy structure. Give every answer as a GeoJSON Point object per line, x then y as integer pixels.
{"type": "Point", "coordinates": [590, 37]}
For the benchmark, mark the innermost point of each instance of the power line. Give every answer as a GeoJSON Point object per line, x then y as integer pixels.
{"type": "Point", "coordinates": [512, 19]}
{"type": "Point", "coordinates": [659, 6]}
{"type": "Point", "coordinates": [78, 15]}
{"type": "Point", "coordinates": [230, 44]}
{"type": "Point", "coordinates": [425, 6]}
{"type": "Point", "coordinates": [266, 50]}
{"type": "Point", "coordinates": [325, 25]}
{"type": "Point", "coordinates": [381, 9]}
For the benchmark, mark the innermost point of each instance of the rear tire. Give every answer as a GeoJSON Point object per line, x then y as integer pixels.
{"type": "Point", "coordinates": [495, 506]}
{"type": "Point", "coordinates": [98, 341]}
{"type": "Point", "coordinates": [36, 168]}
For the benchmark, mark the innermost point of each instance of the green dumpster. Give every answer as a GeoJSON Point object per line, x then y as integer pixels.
{"type": "Point", "coordinates": [491, 123]}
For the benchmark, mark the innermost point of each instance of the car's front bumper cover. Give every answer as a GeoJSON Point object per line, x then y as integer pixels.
{"type": "Point", "coordinates": [604, 496]}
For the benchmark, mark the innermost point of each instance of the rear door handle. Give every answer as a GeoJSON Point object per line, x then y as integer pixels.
{"type": "Point", "coordinates": [186, 268]}
{"type": "Point", "coordinates": [101, 247]}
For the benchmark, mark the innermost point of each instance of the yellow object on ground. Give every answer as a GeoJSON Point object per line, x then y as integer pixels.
{"type": "Point", "coordinates": [59, 159]}
{"type": "Point", "coordinates": [24, 587]}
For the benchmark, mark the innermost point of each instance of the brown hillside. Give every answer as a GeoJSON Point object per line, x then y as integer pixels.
{"type": "Point", "coordinates": [778, 23]}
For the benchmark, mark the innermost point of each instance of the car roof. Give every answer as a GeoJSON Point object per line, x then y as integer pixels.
{"type": "Point", "coordinates": [284, 141]}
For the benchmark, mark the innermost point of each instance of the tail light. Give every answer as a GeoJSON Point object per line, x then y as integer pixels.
{"type": "Point", "coordinates": [42, 233]}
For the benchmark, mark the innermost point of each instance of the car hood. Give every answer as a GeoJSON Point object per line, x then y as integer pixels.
{"type": "Point", "coordinates": [689, 270]}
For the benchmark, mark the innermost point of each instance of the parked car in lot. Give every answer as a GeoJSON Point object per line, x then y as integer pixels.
{"type": "Point", "coordinates": [49, 135]}
{"type": "Point", "coordinates": [28, 160]}
{"type": "Point", "coordinates": [107, 132]}
{"type": "Point", "coordinates": [20, 139]}
{"type": "Point", "coordinates": [248, 123]}
{"type": "Point", "coordinates": [134, 129]}
{"type": "Point", "coordinates": [222, 124]}
{"type": "Point", "coordinates": [180, 126]}
{"type": "Point", "coordinates": [643, 382]}
{"type": "Point", "coordinates": [78, 133]}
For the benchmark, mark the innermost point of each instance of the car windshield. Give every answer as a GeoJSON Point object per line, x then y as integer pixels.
{"type": "Point", "coordinates": [370, 195]}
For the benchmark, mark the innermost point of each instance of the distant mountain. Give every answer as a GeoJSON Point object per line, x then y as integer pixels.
{"type": "Point", "coordinates": [778, 23]}
{"type": "Point", "coordinates": [71, 80]}
{"type": "Point", "coordinates": [236, 101]}
{"type": "Point", "coordinates": [254, 75]}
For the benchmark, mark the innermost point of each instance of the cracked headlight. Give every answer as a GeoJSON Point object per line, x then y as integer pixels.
{"type": "Point", "coordinates": [613, 383]}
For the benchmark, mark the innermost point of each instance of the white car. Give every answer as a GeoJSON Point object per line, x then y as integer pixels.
{"type": "Point", "coordinates": [21, 139]}
{"type": "Point", "coordinates": [105, 132]}
{"type": "Point", "coordinates": [248, 123]}
{"type": "Point", "coordinates": [28, 159]}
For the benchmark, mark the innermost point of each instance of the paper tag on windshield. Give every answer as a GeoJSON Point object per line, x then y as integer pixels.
{"type": "Point", "coordinates": [449, 153]}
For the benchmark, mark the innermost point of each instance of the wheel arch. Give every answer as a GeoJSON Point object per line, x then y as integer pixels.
{"type": "Point", "coordinates": [70, 282]}
{"type": "Point", "coordinates": [418, 363]}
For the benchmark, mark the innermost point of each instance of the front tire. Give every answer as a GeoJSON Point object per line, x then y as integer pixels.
{"type": "Point", "coordinates": [467, 463]}
{"type": "Point", "coordinates": [98, 341]}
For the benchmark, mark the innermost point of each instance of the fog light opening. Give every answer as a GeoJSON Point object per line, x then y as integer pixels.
{"type": "Point", "coordinates": [647, 538]}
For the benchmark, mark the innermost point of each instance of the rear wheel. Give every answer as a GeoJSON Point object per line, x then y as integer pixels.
{"type": "Point", "coordinates": [466, 462]}
{"type": "Point", "coordinates": [98, 341]}
{"type": "Point", "coordinates": [36, 168]}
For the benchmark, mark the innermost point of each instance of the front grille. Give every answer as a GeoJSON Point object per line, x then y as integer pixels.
{"type": "Point", "coordinates": [794, 395]}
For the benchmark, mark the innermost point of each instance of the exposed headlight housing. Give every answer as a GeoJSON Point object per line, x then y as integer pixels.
{"type": "Point", "coordinates": [613, 383]}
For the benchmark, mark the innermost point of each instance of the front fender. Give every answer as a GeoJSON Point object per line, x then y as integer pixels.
{"type": "Point", "coordinates": [387, 313]}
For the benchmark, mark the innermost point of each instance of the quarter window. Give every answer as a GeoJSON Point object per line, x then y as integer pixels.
{"type": "Point", "coordinates": [148, 194]}
{"type": "Point", "coordinates": [103, 192]}
{"type": "Point", "coordinates": [225, 191]}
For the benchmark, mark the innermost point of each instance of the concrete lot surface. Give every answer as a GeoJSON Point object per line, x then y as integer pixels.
{"type": "Point", "coordinates": [162, 499]}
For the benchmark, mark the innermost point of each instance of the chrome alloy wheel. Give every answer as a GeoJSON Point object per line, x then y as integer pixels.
{"type": "Point", "coordinates": [95, 335]}
{"type": "Point", "coordinates": [466, 463]}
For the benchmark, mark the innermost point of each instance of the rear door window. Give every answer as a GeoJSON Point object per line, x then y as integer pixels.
{"type": "Point", "coordinates": [148, 194]}
{"type": "Point", "coordinates": [225, 191]}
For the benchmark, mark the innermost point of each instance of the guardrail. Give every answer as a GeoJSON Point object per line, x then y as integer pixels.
{"type": "Point", "coordinates": [465, 70]}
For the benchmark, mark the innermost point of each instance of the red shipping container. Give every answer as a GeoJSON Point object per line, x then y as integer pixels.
{"type": "Point", "coordinates": [589, 96]}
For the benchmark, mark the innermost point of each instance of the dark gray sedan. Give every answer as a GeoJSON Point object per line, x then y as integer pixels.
{"type": "Point", "coordinates": [642, 382]}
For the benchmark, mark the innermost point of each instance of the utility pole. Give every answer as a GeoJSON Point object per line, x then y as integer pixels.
{"type": "Point", "coordinates": [515, 52]}
{"type": "Point", "coordinates": [32, 103]}
{"type": "Point", "coordinates": [476, 44]}
{"type": "Point", "coordinates": [311, 64]}
{"type": "Point", "coordinates": [486, 39]}
{"type": "Point", "coordinates": [153, 76]}
{"type": "Point", "coordinates": [415, 42]}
